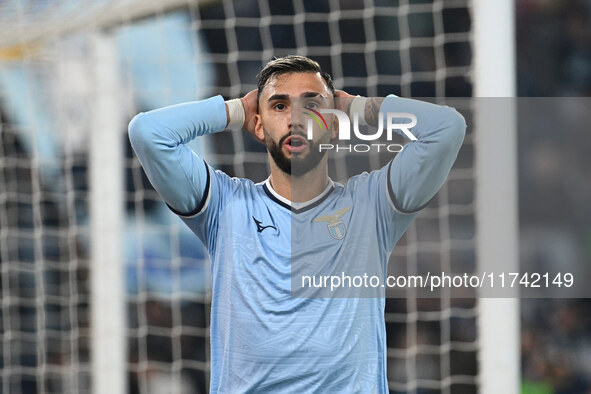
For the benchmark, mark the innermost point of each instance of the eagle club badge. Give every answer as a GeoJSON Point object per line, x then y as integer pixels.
{"type": "Point", "coordinates": [336, 227]}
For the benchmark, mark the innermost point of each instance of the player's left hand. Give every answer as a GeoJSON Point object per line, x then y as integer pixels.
{"type": "Point", "coordinates": [343, 100]}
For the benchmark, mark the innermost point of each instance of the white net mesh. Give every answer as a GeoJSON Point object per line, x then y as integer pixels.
{"type": "Point", "coordinates": [174, 51]}
{"type": "Point", "coordinates": [43, 254]}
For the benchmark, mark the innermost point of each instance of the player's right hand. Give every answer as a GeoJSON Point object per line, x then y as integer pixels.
{"type": "Point", "coordinates": [249, 103]}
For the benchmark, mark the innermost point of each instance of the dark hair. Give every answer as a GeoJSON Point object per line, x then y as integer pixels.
{"type": "Point", "coordinates": [291, 64]}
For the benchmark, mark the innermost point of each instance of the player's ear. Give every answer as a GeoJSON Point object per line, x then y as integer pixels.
{"type": "Point", "coordinates": [334, 128]}
{"type": "Point", "coordinates": [258, 127]}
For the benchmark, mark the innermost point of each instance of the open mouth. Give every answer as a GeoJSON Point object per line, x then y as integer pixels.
{"type": "Point", "coordinates": [295, 143]}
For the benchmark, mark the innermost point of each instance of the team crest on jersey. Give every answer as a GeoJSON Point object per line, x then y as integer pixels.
{"type": "Point", "coordinates": [336, 227]}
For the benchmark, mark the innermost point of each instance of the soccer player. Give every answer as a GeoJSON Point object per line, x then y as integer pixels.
{"type": "Point", "coordinates": [262, 338]}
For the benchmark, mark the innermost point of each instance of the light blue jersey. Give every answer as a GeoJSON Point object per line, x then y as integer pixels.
{"type": "Point", "coordinates": [263, 339]}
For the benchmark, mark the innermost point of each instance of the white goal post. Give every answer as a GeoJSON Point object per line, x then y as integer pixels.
{"type": "Point", "coordinates": [109, 355]}
{"type": "Point", "coordinates": [496, 190]}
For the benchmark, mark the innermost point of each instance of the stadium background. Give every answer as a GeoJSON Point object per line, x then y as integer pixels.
{"type": "Point", "coordinates": [409, 48]}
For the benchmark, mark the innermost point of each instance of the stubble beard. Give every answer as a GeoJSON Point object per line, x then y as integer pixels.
{"type": "Point", "coordinates": [296, 166]}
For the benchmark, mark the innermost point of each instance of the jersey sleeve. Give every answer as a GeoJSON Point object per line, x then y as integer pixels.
{"type": "Point", "coordinates": [407, 183]}
{"type": "Point", "coordinates": [420, 169]}
{"type": "Point", "coordinates": [181, 176]}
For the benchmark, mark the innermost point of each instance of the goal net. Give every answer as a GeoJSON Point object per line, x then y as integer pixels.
{"type": "Point", "coordinates": [81, 226]}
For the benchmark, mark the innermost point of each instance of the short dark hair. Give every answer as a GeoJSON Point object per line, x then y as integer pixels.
{"type": "Point", "coordinates": [291, 64]}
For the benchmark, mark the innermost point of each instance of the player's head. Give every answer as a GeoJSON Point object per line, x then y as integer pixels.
{"type": "Point", "coordinates": [286, 87]}
{"type": "Point", "coordinates": [291, 64]}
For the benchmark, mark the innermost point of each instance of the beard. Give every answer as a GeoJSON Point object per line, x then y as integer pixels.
{"type": "Point", "coordinates": [296, 166]}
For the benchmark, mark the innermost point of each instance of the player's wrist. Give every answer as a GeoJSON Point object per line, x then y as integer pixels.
{"type": "Point", "coordinates": [235, 113]}
{"type": "Point", "coordinates": [358, 107]}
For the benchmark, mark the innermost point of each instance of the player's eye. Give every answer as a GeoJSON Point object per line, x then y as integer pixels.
{"type": "Point", "coordinates": [312, 105]}
{"type": "Point", "coordinates": [279, 106]}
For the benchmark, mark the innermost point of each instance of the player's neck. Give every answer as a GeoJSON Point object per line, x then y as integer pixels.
{"type": "Point", "coordinates": [302, 188]}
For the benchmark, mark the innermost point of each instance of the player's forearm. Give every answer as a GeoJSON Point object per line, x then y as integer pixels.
{"type": "Point", "coordinates": [430, 118]}
{"type": "Point", "coordinates": [179, 124]}
{"type": "Point", "coordinates": [437, 124]}
{"type": "Point", "coordinates": [158, 137]}
{"type": "Point", "coordinates": [421, 168]}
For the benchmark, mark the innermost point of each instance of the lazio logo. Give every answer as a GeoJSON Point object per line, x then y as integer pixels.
{"type": "Point", "coordinates": [336, 227]}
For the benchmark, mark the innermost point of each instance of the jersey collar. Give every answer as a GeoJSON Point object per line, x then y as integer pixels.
{"type": "Point", "coordinates": [297, 207]}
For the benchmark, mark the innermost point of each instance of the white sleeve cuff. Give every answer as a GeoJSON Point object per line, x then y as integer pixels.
{"type": "Point", "coordinates": [358, 108]}
{"type": "Point", "coordinates": [236, 114]}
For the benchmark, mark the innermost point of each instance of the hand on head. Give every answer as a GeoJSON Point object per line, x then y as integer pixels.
{"type": "Point", "coordinates": [249, 102]}
{"type": "Point", "coordinates": [343, 100]}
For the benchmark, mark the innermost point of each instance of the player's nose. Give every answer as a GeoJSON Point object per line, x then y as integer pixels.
{"type": "Point", "coordinates": [296, 127]}
{"type": "Point", "coordinates": [296, 122]}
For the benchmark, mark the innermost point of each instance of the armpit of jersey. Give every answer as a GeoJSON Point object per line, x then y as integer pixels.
{"type": "Point", "coordinates": [392, 196]}
{"type": "Point", "coordinates": [204, 198]}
